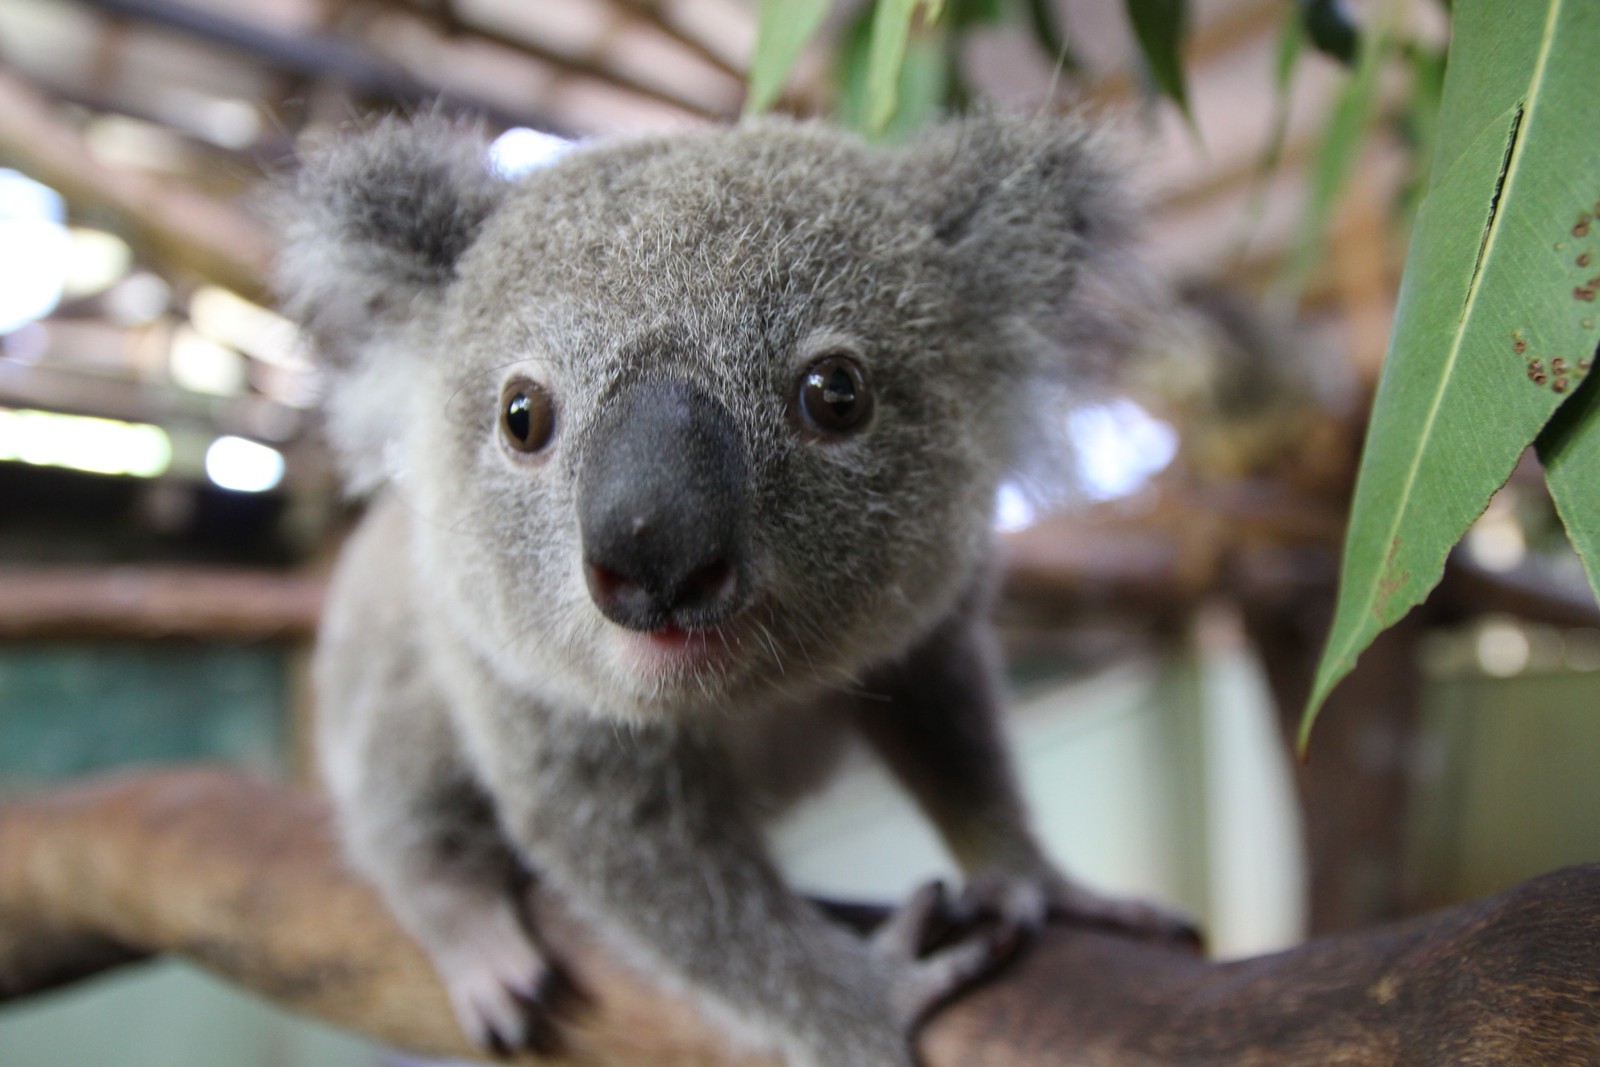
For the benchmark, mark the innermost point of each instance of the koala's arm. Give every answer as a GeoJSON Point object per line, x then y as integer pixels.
{"type": "Point", "coordinates": [644, 827]}
{"type": "Point", "coordinates": [412, 816]}
{"type": "Point", "coordinates": [933, 716]}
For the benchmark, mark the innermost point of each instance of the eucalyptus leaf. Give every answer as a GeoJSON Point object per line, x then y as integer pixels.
{"type": "Point", "coordinates": [1332, 29]}
{"type": "Point", "coordinates": [892, 22]}
{"type": "Point", "coordinates": [1286, 57]}
{"type": "Point", "coordinates": [783, 28]}
{"type": "Point", "coordinates": [965, 14]}
{"type": "Point", "coordinates": [1291, 45]}
{"type": "Point", "coordinates": [1493, 295]}
{"type": "Point", "coordinates": [923, 83]}
{"type": "Point", "coordinates": [1049, 36]}
{"type": "Point", "coordinates": [1419, 122]}
{"type": "Point", "coordinates": [1570, 451]}
{"type": "Point", "coordinates": [1342, 142]}
{"type": "Point", "coordinates": [1160, 27]}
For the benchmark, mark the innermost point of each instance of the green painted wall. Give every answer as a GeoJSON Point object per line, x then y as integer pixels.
{"type": "Point", "coordinates": [83, 708]}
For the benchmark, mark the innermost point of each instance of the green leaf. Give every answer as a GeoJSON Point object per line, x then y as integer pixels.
{"type": "Point", "coordinates": [1341, 144]}
{"type": "Point", "coordinates": [892, 22]}
{"type": "Point", "coordinates": [1490, 297]}
{"type": "Point", "coordinates": [1332, 29]}
{"type": "Point", "coordinates": [1160, 27]}
{"type": "Point", "coordinates": [964, 14]}
{"type": "Point", "coordinates": [782, 29]}
{"type": "Point", "coordinates": [1569, 448]}
{"type": "Point", "coordinates": [1291, 45]}
{"type": "Point", "coordinates": [1419, 122]}
{"type": "Point", "coordinates": [924, 82]}
{"type": "Point", "coordinates": [1047, 34]}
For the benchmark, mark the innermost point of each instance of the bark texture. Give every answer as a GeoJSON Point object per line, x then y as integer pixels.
{"type": "Point", "coordinates": [242, 877]}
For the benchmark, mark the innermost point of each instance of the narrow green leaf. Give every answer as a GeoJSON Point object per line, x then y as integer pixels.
{"type": "Point", "coordinates": [924, 82]}
{"type": "Point", "coordinates": [965, 14]}
{"type": "Point", "coordinates": [1569, 448]}
{"type": "Point", "coordinates": [1291, 44]}
{"type": "Point", "coordinates": [892, 22]}
{"type": "Point", "coordinates": [1341, 145]}
{"type": "Point", "coordinates": [1332, 29]}
{"type": "Point", "coordinates": [782, 29]}
{"type": "Point", "coordinates": [1160, 27]}
{"type": "Point", "coordinates": [1492, 295]}
{"type": "Point", "coordinates": [1048, 35]}
{"type": "Point", "coordinates": [1419, 122]}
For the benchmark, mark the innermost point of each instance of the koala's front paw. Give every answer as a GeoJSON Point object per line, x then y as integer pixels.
{"type": "Point", "coordinates": [500, 983]}
{"type": "Point", "coordinates": [922, 980]}
{"type": "Point", "coordinates": [1023, 902]}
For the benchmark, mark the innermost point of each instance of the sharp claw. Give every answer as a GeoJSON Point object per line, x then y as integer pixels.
{"type": "Point", "coordinates": [495, 1044]}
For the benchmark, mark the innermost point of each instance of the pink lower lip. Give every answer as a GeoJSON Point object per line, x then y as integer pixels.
{"type": "Point", "coordinates": [670, 636]}
{"type": "Point", "coordinates": [673, 647]}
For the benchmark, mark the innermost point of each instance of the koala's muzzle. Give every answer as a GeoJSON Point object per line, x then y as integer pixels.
{"type": "Point", "coordinates": [662, 497]}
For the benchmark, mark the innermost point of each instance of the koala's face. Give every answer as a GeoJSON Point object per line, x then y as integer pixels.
{"type": "Point", "coordinates": [703, 417]}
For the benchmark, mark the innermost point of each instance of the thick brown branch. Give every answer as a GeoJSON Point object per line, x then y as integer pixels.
{"type": "Point", "coordinates": [241, 877]}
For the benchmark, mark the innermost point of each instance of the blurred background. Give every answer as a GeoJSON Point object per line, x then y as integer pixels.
{"type": "Point", "coordinates": [168, 513]}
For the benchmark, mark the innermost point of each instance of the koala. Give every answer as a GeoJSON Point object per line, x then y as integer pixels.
{"type": "Point", "coordinates": [682, 455]}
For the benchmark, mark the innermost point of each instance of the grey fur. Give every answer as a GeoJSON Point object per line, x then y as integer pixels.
{"type": "Point", "coordinates": [481, 715]}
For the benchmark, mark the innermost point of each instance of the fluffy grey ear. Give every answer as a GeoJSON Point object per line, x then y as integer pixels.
{"type": "Point", "coordinates": [1030, 209]}
{"type": "Point", "coordinates": [378, 221]}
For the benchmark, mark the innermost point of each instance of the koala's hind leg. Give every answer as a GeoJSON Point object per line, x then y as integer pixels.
{"type": "Point", "coordinates": [933, 717]}
{"type": "Point", "coordinates": [418, 826]}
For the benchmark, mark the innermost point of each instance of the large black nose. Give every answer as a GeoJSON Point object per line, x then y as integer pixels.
{"type": "Point", "coordinates": [662, 498]}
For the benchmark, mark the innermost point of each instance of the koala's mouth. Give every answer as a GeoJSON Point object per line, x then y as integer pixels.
{"type": "Point", "coordinates": [671, 650]}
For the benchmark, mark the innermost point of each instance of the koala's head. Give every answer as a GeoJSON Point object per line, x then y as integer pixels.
{"type": "Point", "coordinates": [691, 417]}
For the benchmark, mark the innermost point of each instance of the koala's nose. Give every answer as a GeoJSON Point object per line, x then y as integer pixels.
{"type": "Point", "coordinates": [662, 495]}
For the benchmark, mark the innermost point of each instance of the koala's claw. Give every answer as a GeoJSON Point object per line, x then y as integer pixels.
{"type": "Point", "coordinates": [502, 989]}
{"type": "Point", "coordinates": [1024, 903]}
{"type": "Point", "coordinates": [924, 979]}
{"type": "Point", "coordinates": [504, 1015]}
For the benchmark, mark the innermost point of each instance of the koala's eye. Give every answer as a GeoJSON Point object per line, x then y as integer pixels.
{"type": "Point", "coordinates": [834, 399]}
{"type": "Point", "coordinates": [527, 417]}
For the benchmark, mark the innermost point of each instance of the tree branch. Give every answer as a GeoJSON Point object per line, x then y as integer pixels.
{"type": "Point", "coordinates": [242, 878]}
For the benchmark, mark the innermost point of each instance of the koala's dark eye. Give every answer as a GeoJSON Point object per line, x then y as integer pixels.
{"type": "Point", "coordinates": [834, 399]}
{"type": "Point", "coordinates": [527, 416]}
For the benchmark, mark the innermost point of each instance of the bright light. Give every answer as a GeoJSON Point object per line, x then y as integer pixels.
{"type": "Point", "coordinates": [230, 319]}
{"type": "Point", "coordinates": [519, 150]}
{"type": "Point", "coordinates": [35, 249]}
{"type": "Point", "coordinates": [101, 446]}
{"type": "Point", "coordinates": [1503, 649]}
{"type": "Point", "coordinates": [1013, 510]}
{"type": "Point", "coordinates": [225, 121]}
{"type": "Point", "coordinates": [96, 262]}
{"type": "Point", "coordinates": [243, 466]}
{"type": "Point", "coordinates": [1119, 446]}
{"type": "Point", "coordinates": [200, 365]}
{"type": "Point", "coordinates": [1496, 541]}
{"type": "Point", "coordinates": [139, 298]}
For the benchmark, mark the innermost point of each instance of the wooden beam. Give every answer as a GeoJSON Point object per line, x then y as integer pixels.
{"type": "Point", "coordinates": [146, 602]}
{"type": "Point", "coordinates": [172, 224]}
{"type": "Point", "coordinates": [319, 56]}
